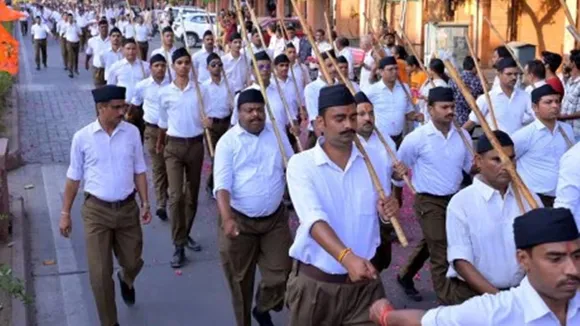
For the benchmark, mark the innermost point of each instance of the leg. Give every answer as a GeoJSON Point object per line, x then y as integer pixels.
{"type": "Point", "coordinates": [216, 132]}
{"type": "Point", "coordinates": [43, 52]}
{"type": "Point", "coordinates": [37, 53]}
{"type": "Point", "coordinates": [238, 257]}
{"type": "Point", "coordinates": [416, 261]}
{"type": "Point", "coordinates": [70, 57]}
{"type": "Point", "coordinates": [99, 241]}
{"type": "Point", "coordinates": [382, 258]}
{"type": "Point", "coordinates": [193, 176]}
{"type": "Point", "coordinates": [274, 262]}
{"type": "Point", "coordinates": [359, 301]}
{"type": "Point", "coordinates": [76, 57]}
{"type": "Point", "coordinates": [64, 52]}
{"type": "Point", "coordinates": [128, 244]}
{"type": "Point", "coordinates": [174, 165]}
{"type": "Point", "coordinates": [157, 166]}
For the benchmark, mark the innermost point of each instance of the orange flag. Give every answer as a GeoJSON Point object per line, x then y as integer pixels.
{"type": "Point", "coordinates": [8, 52]}
{"type": "Point", "coordinates": [7, 14]}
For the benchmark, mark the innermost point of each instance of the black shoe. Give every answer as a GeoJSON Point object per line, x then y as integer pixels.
{"type": "Point", "coordinates": [70, 75]}
{"type": "Point", "coordinates": [178, 257]}
{"type": "Point", "coordinates": [191, 244]}
{"type": "Point", "coordinates": [37, 67]}
{"type": "Point", "coordinates": [65, 68]}
{"type": "Point", "coordinates": [279, 307]}
{"type": "Point", "coordinates": [162, 214]}
{"type": "Point", "coordinates": [127, 292]}
{"type": "Point", "coordinates": [409, 288]}
{"type": "Point", "coordinates": [263, 318]}
{"type": "Point", "coordinates": [45, 66]}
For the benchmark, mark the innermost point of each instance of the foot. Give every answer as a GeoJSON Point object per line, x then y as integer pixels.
{"type": "Point", "coordinates": [37, 67]}
{"type": "Point", "coordinates": [70, 75]}
{"type": "Point", "coordinates": [191, 244]}
{"type": "Point", "coordinates": [263, 318]}
{"type": "Point", "coordinates": [45, 66]}
{"type": "Point", "coordinates": [65, 68]}
{"type": "Point", "coordinates": [127, 292]}
{"type": "Point", "coordinates": [409, 288]}
{"type": "Point", "coordinates": [178, 257]}
{"type": "Point", "coordinates": [162, 214]}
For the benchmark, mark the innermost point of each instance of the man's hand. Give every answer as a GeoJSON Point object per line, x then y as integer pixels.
{"type": "Point", "coordinates": [377, 309]}
{"type": "Point", "coordinates": [388, 208]}
{"type": "Point", "coordinates": [295, 130]}
{"type": "Point", "coordinates": [230, 228]}
{"type": "Point", "coordinates": [399, 170]}
{"type": "Point", "coordinates": [419, 117]}
{"type": "Point", "coordinates": [145, 214]}
{"type": "Point", "coordinates": [65, 224]}
{"type": "Point", "coordinates": [359, 269]}
{"type": "Point", "coordinates": [303, 114]}
{"type": "Point", "coordinates": [207, 122]}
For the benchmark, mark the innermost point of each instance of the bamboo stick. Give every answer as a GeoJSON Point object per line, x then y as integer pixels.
{"type": "Point", "coordinates": [373, 174]}
{"type": "Point", "coordinates": [200, 103]}
{"type": "Point", "coordinates": [261, 83]}
{"type": "Point", "coordinates": [491, 136]}
{"type": "Point", "coordinates": [280, 91]}
{"type": "Point", "coordinates": [503, 41]}
{"type": "Point", "coordinates": [570, 19]}
{"type": "Point", "coordinates": [483, 83]}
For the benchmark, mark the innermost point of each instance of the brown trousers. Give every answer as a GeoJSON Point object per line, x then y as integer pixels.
{"type": "Point", "coordinates": [143, 49]}
{"type": "Point", "coordinates": [84, 37]}
{"type": "Point", "coordinates": [183, 155]}
{"type": "Point", "coordinates": [382, 258]}
{"type": "Point", "coordinates": [262, 242]}
{"type": "Point", "coordinates": [218, 129]}
{"type": "Point", "coordinates": [547, 201]}
{"type": "Point", "coordinates": [40, 51]}
{"type": "Point", "coordinates": [99, 77]}
{"type": "Point", "coordinates": [63, 51]}
{"type": "Point", "coordinates": [109, 231]}
{"type": "Point", "coordinates": [157, 166]}
{"type": "Point", "coordinates": [72, 49]}
{"type": "Point", "coordinates": [431, 212]}
{"type": "Point", "coordinates": [316, 303]}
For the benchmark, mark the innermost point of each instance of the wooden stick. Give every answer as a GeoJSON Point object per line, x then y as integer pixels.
{"type": "Point", "coordinates": [503, 41]}
{"type": "Point", "coordinates": [483, 83]}
{"type": "Point", "coordinates": [374, 177]}
{"type": "Point", "coordinates": [570, 20]}
{"type": "Point", "coordinates": [261, 83]}
{"type": "Point", "coordinates": [280, 91]}
{"type": "Point", "coordinates": [135, 32]}
{"type": "Point", "coordinates": [199, 97]}
{"type": "Point", "coordinates": [329, 31]}
{"type": "Point", "coordinates": [491, 136]}
{"type": "Point", "coordinates": [422, 67]}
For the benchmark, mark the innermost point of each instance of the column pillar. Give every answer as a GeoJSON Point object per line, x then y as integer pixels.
{"type": "Point", "coordinates": [280, 8]}
{"type": "Point", "coordinates": [315, 14]}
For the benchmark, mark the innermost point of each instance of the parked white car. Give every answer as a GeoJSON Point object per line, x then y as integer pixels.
{"type": "Point", "coordinates": [195, 26]}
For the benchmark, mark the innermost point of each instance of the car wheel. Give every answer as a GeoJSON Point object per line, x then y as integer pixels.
{"type": "Point", "coordinates": [192, 39]}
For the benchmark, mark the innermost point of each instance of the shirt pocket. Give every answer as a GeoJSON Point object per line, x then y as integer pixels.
{"type": "Point", "coordinates": [124, 157]}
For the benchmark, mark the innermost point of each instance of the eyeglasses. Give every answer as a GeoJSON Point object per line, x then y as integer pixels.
{"type": "Point", "coordinates": [264, 66]}
{"type": "Point", "coordinates": [213, 65]}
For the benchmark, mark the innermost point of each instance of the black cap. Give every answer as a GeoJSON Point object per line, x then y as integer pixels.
{"type": "Point", "coordinates": [440, 94]}
{"type": "Point", "coordinates": [290, 45]}
{"type": "Point", "coordinates": [361, 97]}
{"type": "Point", "coordinates": [484, 144]}
{"type": "Point", "coordinates": [157, 58]}
{"type": "Point", "coordinates": [262, 55]}
{"type": "Point", "coordinates": [544, 225]}
{"type": "Point", "coordinates": [212, 56]}
{"type": "Point", "coordinates": [167, 29]}
{"type": "Point", "coordinates": [250, 95]}
{"type": "Point", "coordinates": [504, 63]}
{"type": "Point", "coordinates": [335, 95]}
{"type": "Point", "coordinates": [329, 53]}
{"type": "Point", "coordinates": [341, 59]}
{"type": "Point", "coordinates": [281, 58]}
{"type": "Point", "coordinates": [115, 30]}
{"type": "Point", "coordinates": [387, 61]}
{"type": "Point", "coordinates": [108, 93]}
{"type": "Point", "coordinates": [542, 91]}
{"type": "Point", "coordinates": [181, 52]}
{"type": "Point", "coordinates": [235, 36]}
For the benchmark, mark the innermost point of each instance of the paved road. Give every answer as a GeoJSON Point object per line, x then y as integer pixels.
{"type": "Point", "coordinates": [52, 108]}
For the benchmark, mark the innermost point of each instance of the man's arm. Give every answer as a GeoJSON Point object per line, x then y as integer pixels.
{"type": "Point", "coordinates": [74, 175]}
{"type": "Point", "coordinates": [473, 277]}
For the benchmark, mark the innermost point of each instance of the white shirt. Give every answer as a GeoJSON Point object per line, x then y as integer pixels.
{"type": "Point", "coordinates": [147, 94]}
{"type": "Point", "coordinates": [200, 63]}
{"type": "Point", "coordinates": [237, 71]}
{"type": "Point", "coordinates": [277, 45]}
{"type": "Point", "coordinates": [496, 82]}
{"type": "Point", "coordinates": [255, 50]}
{"type": "Point", "coordinates": [110, 57]}
{"type": "Point", "coordinates": [60, 27]}
{"type": "Point", "coordinates": [40, 32]}
{"type": "Point", "coordinates": [521, 306]}
{"type": "Point", "coordinates": [123, 73]}
{"type": "Point", "coordinates": [311, 93]}
{"type": "Point", "coordinates": [480, 231]}
{"type": "Point", "coordinates": [391, 106]}
{"type": "Point", "coordinates": [129, 30]}
{"type": "Point", "coordinates": [179, 111]}
{"type": "Point", "coordinates": [251, 169]}
{"type": "Point", "coordinates": [72, 33]}
{"type": "Point", "coordinates": [347, 54]}
{"type": "Point", "coordinates": [220, 105]}
{"type": "Point", "coordinates": [529, 89]}
{"type": "Point", "coordinates": [365, 74]}
{"type": "Point", "coordinates": [511, 113]}
{"type": "Point", "coordinates": [108, 164]}
{"type": "Point", "coordinates": [538, 153]}
{"type": "Point", "coordinates": [95, 47]}
{"type": "Point", "coordinates": [436, 161]}
{"type": "Point", "coordinates": [300, 73]}
{"type": "Point", "coordinates": [122, 26]}
{"type": "Point", "coordinates": [275, 104]}
{"type": "Point", "coordinates": [345, 199]}
{"type": "Point", "coordinates": [141, 33]}
{"type": "Point", "coordinates": [296, 42]}
{"type": "Point", "coordinates": [290, 95]}
{"type": "Point", "coordinates": [568, 190]}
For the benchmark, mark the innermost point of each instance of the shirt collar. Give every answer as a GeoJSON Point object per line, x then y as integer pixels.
{"type": "Point", "coordinates": [486, 191]}
{"type": "Point", "coordinates": [432, 130]}
{"type": "Point", "coordinates": [320, 157]}
{"type": "Point", "coordinates": [96, 127]}
{"type": "Point", "coordinates": [498, 90]}
{"type": "Point", "coordinates": [535, 307]}
{"type": "Point", "coordinates": [238, 130]}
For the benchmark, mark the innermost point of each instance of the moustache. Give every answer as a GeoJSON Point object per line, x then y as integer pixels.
{"type": "Point", "coordinates": [347, 132]}
{"type": "Point", "coordinates": [568, 280]}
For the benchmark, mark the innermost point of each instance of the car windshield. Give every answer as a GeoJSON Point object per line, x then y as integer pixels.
{"type": "Point", "coordinates": [201, 19]}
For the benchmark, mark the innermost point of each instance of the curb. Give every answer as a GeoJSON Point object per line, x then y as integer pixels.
{"type": "Point", "coordinates": [21, 313]}
{"type": "Point", "coordinates": [14, 158]}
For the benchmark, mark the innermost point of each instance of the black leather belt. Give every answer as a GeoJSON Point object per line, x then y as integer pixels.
{"type": "Point", "coordinates": [109, 204]}
{"type": "Point", "coordinates": [186, 139]}
{"type": "Point", "coordinates": [446, 197]}
{"type": "Point", "coordinates": [317, 274]}
{"type": "Point", "coordinates": [222, 120]}
{"type": "Point", "coordinates": [152, 125]}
